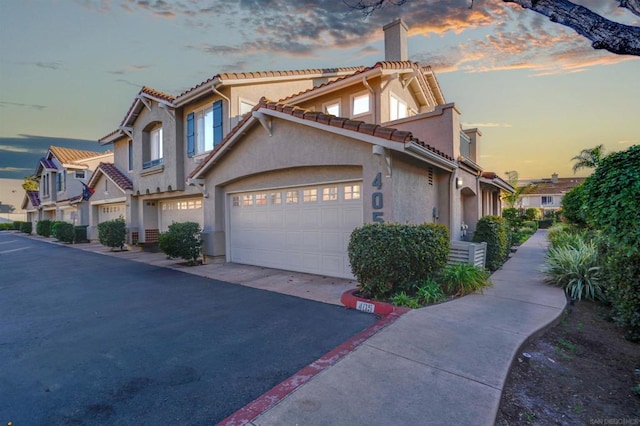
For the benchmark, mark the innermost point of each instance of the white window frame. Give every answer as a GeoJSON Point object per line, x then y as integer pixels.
{"type": "Point", "coordinates": [155, 144]}
{"type": "Point", "coordinates": [354, 192]}
{"type": "Point", "coordinates": [394, 112]}
{"type": "Point", "coordinates": [353, 100]}
{"type": "Point", "coordinates": [203, 130]}
{"type": "Point", "coordinates": [80, 174]}
{"type": "Point", "coordinates": [331, 104]}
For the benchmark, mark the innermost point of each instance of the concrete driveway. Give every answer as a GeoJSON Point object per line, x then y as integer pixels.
{"type": "Point", "coordinates": [93, 339]}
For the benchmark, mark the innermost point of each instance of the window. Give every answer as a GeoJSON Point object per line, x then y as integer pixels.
{"type": "Point", "coordinates": [310, 195]}
{"type": "Point", "coordinates": [45, 185]}
{"type": "Point", "coordinates": [247, 200]}
{"type": "Point", "coordinates": [332, 108]}
{"type": "Point", "coordinates": [360, 104]}
{"type": "Point", "coordinates": [235, 201]}
{"type": "Point", "coordinates": [398, 108]}
{"type": "Point", "coordinates": [60, 181]}
{"type": "Point", "coordinates": [130, 150]}
{"type": "Point", "coordinates": [352, 192]}
{"type": "Point", "coordinates": [204, 129]}
{"type": "Point", "coordinates": [153, 151]}
{"type": "Point", "coordinates": [330, 194]}
{"type": "Point", "coordinates": [261, 199]}
{"type": "Point", "coordinates": [276, 198]}
{"type": "Point", "coordinates": [80, 174]}
{"type": "Point", "coordinates": [547, 200]}
{"type": "Point", "coordinates": [245, 107]}
{"type": "Point", "coordinates": [292, 197]}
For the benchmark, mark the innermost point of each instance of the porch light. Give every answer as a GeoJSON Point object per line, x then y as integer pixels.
{"type": "Point", "coordinates": [458, 182]}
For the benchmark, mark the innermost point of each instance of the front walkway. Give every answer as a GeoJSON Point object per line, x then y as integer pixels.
{"type": "Point", "coordinates": [439, 365]}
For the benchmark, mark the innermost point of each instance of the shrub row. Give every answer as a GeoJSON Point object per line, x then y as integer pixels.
{"type": "Point", "coordinates": [25, 227]}
{"type": "Point", "coordinates": [388, 258]}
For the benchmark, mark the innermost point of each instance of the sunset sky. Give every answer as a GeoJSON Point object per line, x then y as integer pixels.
{"type": "Point", "coordinates": [538, 91]}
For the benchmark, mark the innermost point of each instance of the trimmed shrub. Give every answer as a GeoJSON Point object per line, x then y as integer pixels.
{"type": "Point", "coordinates": [533, 213]}
{"type": "Point", "coordinates": [26, 227]}
{"type": "Point", "coordinates": [182, 240]}
{"type": "Point", "coordinates": [63, 231]}
{"type": "Point", "coordinates": [43, 228]}
{"type": "Point", "coordinates": [460, 279]}
{"type": "Point", "coordinates": [573, 206]}
{"type": "Point", "coordinates": [513, 217]}
{"type": "Point", "coordinates": [621, 272]}
{"type": "Point", "coordinates": [16, 225]}
{"type": "Point", "coordinates": [530, 224]}
{"type": "Point", "coordinates": [6, 226]}
{"type": "Point", "coordinates": [387, 258]}
{"type": "Point", "coordinates": [112, 233]}
{"type": "Point", "coordinates": [493, 231]}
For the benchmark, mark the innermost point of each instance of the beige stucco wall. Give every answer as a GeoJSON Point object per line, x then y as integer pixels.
{"type": "Point", "coordinates": [414, 198]}
{"type": "Point", "coordinates": [297, 154]}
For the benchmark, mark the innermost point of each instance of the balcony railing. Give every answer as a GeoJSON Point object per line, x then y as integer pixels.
{"type": "Point", "coordinates": [152, 163]}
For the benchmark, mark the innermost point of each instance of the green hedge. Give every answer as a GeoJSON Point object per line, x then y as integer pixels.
{"type": "Point", "coordinates": [63, 231]}
{"type": "Point", "coordinates": [26, 227]}
{"type": "Point", "coordinates": [112, 233]}
{"type": "Point", "coordinates": [182, 240]}
{"type": "Point", "coordinates": [43, 228]}
{"type": "Point", "coordinates": [388, 258]}
{"type": "Point", "coordinates": [545, 223]}
{"type": "Point", "coordinates": [493, 231]}
{"type": "Point", "coordinates": [6, 226]}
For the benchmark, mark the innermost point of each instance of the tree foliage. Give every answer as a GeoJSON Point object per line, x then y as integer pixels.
{"type": "Point", "coordinates": [31, 183]}
{"type": "Point", "coordinates": [612, 202]}
{"type": "Point", "coordinates": [588, 158]}
{"type": "Point", "coordinates": [603, 33]}
{"type": "Point", "coordinates": [573, 203]}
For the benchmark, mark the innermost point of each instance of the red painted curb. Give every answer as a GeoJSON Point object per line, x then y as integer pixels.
{"type": "Point", "coordinates": [269, 399]}
{"type": "Point", "coordinates": [350, 300]}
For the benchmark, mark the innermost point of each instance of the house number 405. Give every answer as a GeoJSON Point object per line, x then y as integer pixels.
{"type": "Point", "coordinates": [377, 202]}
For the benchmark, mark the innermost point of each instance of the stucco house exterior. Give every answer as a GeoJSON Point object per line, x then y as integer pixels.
{"type": "Point", "coordinates": [546, 193]}
{"type": "Point", "coordinates": [283, 183]}
{"type": "Point", "coordinates": [63, 173]}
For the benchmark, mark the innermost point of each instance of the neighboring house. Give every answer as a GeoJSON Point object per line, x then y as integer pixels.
{"type": "Point", "coordinates": [31, 204]}
{"type": "Point", "coordinates": [62, 173]}
{"type": "Point", "coordinates": [546, 194]}
{"type": "Point", "coordinates": [287, 184]}
{"type": "Point", "coordinates": [163, 138]}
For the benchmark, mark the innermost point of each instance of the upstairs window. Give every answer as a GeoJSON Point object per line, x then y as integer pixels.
{"type": "Point", "coordinates": [332, 108]}
{"type": "Point", "coordinates": [130, 151]}
{"type": "Point", "coordinates": [152, 140]}
{"type": "Point", "coordinates": [60, 181]}
{"type": "Point", "coordinates": [204, 129]}
{"type": "Point", "coordinates": [45, 185]}
{"type": "Point", "coordinates": [360, 104]}
{"type": "Point", "coordinates": [397, 109]}
{"type": "Point", "coordinates": [547, 200]}
{"type": "Point", "coordinates": [80, 174]}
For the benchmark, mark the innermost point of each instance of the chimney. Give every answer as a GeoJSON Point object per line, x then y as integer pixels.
{"type": "Point", "coordinates": [554, 178]}
{"type": "Point", "coordinates": [395, 41]}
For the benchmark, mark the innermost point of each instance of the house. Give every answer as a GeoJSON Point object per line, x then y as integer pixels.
{"type": "Point", "coordinates": [63, 173]}
{"type": "Point", "coordinates": [109, 199]}
{"type": "Point", "coordinates": [163, 138]}
{"type": "Point", "coordinates": [287, 186]}
{"type": "Point", "coordinates": [284, 183]}
{"type": "Point", "coordinates": [546, 194]}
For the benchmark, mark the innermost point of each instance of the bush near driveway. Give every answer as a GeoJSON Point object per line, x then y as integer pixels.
{"type": "Point", "coordinates": [388, 258]}
{"type": "Point", "coordinates": [43, 228]}
{"type": "Point", "coordinates": [182, 240]}
{"type": "Point", "coordinates": [112, 233]}
{"type": "Point", "coordinates": [63, 231]}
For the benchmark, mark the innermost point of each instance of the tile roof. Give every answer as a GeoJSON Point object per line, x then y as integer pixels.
{"type": "Point", "coordinates": [271, 74]}
{"type": "Point", "coordinates": [110, 170]}
{"type": "Point", "coordinates": [72, 156]}
{"type": "Point", "coordinates": [146, 90]}
{"type": "Point", "coordinates": [392, 134]}
{"type": "Point", "coordinates": [562, 186]}
{"type": "Point", "coordinates": [384, 65]}
{"type": "Point", "coordinates": [34, 198]}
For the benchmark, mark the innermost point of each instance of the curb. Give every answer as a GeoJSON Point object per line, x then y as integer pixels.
{"type": "Point", "coordinates": [273, 397]}
{"type": "Point", "coordinates": [350, 300]}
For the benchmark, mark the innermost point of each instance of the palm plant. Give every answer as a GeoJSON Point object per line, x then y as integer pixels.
{"type": "Point", "coordinates": [588, 158]}
{"type": "Point", "coordinates": [574, 268]}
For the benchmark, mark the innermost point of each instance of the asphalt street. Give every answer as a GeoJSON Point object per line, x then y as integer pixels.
{"type": "Point", "coordinates": [91, 339]}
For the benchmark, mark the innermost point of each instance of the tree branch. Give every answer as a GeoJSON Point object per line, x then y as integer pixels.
{"type": "Point", "coordinates": [632, 5]}
{"type": "Point", "coordinates": [603, 33]}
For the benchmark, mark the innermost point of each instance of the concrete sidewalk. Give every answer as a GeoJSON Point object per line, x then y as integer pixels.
{"type": "Point", "coordinates": [440, 365]}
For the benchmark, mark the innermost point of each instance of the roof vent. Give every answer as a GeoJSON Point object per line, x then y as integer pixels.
{"type": "Point", "coordinates": [395, 41]}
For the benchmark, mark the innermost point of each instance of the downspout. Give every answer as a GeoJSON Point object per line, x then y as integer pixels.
{"type": "Point", "coordinates": [214, 89]}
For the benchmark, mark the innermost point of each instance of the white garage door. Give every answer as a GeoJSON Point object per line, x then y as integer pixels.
{"type": "Point", "coordinates": [187, 210]}
{"type": "Point", "coordinates": [303, 229]}
{"type": "Point", "coordinates": [108, 212]}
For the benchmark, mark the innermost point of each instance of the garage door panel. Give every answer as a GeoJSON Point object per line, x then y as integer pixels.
{"type": "Point", "coordinates": [180, 210]}
{"type": "Point", "coordinates": [308, 233]}
{"type": "Point", "coordinates": [107, 212]}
